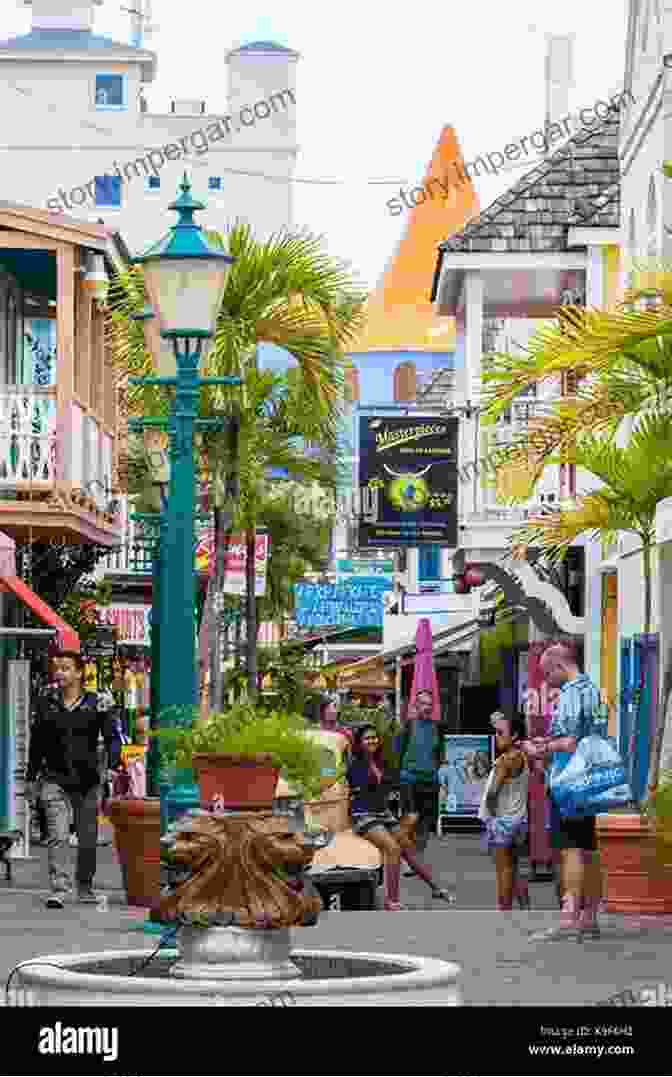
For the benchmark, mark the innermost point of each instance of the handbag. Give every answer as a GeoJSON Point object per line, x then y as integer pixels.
{"type": "Point", "coordinates": [483, 812]}
{"type": "Point", "coordinates": [593, 781]}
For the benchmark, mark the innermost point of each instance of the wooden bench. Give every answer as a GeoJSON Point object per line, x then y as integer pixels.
{"type": "Point", "coordinates": [8, 838]}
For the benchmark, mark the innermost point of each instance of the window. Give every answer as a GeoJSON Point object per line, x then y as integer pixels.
{"type": "Point", "coordinates": [110, 91]}
{"type": "Point", "coordinates": [108, 192]}
{"type": "Point", "coordinates": [215, 183]}
{"type": "Point", "coordinates": [152, 183]}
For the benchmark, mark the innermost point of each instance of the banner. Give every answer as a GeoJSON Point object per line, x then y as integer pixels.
{"type": "Point", "coordinates": [352, 604]}
{"type": "Point", "coordinates": [462, 778]}
{"type": "Point", "coordinates": [133, 622]}
{"type": "Point", "coordinates": [235, 561]}
{"type": "Point", "coordinates": [359, 568]}
{"type": "Point", "coordinates": [412, 464]}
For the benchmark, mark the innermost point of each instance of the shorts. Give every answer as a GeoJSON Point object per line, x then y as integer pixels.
{"type": "Point", "coordinates": [507, 832]}
{"type": "Point", "coordinates": [362, 823]}
{"type": "Point", "coordinates": [572, 833]}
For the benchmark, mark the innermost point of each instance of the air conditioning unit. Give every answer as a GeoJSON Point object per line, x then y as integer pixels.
{"type": "Point", "coordinates": [187, 108]}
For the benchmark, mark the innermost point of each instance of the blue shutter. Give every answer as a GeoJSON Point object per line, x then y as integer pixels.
{"type": "Point", "coordinates": [429, 567]}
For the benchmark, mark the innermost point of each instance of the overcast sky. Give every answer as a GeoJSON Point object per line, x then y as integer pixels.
{"type": "Point", "coordinates": [376, 83]}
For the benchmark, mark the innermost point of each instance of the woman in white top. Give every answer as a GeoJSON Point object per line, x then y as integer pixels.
{"type": "Point", "coordinates": [504, 810]}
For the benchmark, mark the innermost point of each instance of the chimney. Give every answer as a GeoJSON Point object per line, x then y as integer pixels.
{"type": "Point", "coordinates": [62, 14]}
{"type": "Point", "coordinates": [559, 76]}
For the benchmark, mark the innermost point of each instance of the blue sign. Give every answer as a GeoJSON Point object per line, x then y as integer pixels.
{"type": "Point", "coordinates": [356, 604]}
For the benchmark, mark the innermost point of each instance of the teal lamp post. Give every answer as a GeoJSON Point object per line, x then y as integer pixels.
{"type": "Point", "coordinates": [185, 279]}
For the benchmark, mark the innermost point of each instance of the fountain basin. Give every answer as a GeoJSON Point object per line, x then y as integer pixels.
{"type": "Point", "coordinates": [333, 977]}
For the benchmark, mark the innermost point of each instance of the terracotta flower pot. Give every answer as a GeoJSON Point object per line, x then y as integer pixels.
{"type": "Point", "coordinates": [636, 880]}
{"type": "Point", "coordinates": [237, 780]}
{"type": "Point", "coordinates": [137, 833]}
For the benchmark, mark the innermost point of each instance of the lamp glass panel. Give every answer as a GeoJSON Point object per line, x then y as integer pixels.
{"type": "Point", "coordinates": [186, 292]}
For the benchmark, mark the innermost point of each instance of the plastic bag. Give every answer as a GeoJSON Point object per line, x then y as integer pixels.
{"type": "Point", "coordinates": [593, 781]}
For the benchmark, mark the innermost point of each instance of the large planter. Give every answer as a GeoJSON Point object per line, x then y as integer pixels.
{"type": "Point", "coordinates": [137, 834]}
{"type": "Point", "coordinates": [237, 781]}
{"type": "Point", "coordinates": [636, 880]}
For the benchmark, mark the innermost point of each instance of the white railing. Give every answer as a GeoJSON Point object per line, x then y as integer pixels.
{"type": "Point", "coordinates": [27, 435]}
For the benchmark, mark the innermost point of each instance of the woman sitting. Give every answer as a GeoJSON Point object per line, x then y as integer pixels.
{"type": "Point", "coordinates": [373, 820]}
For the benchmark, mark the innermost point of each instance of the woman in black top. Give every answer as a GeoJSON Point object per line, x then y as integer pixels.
{"type": "Point", "coordinates": [372, 819]}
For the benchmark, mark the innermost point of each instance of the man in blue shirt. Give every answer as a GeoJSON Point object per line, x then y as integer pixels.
{"type": "Point", "coordinates": [419, 759]}
{"type": "Point", "coordinates": [577, 715]}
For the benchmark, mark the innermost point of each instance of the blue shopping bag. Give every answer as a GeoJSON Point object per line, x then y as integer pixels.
{"type": "Point", "coordinates": [593, 781]}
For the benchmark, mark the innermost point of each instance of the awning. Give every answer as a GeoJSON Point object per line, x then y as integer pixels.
{"type": "Point", "coordinates": [68, 639]}
{"type": "Point", "coordinates": [445, 639]}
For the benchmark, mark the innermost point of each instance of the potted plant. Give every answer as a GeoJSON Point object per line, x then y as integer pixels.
{"type": "Point", "coordinates": [238, 755]}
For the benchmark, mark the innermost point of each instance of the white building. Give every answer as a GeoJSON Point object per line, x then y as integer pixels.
{"type": "Point", "coordinates": [78, 138]}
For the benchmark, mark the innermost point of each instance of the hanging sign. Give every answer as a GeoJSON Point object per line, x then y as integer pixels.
{"type": "Point", "coordinates": [412, 464]}
{"type": "Point", "coordinates": [352, 603]}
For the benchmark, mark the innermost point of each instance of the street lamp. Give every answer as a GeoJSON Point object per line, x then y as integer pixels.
{"type": "Point", "coordinates": [185, 278]}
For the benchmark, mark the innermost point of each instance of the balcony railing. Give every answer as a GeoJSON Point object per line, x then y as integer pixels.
{"type": "Point", "coordinates": [27, 435]}
{"type": "Point", "coordinates": [130, 557]}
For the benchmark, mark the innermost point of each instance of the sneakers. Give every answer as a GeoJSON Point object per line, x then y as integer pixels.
{"type": "Point", "coordinates": [588, 925]}
{"type": "Point", "coordinates": [443, 895]}
{"type": "Point", "coordinates": [55, 901]}
{"type": "Point", "coordinates": [86, 896]}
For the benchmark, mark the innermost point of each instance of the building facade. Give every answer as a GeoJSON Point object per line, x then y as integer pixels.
{"type": "Point", "coordinates": [78, 136]}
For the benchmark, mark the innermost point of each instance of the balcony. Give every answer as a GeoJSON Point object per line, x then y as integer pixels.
{"type": "Point", "coordinates": [58, 439]}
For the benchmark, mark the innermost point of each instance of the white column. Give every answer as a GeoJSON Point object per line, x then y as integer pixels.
{"type": "Point", "coordinates": [413, 569]}
{"type": "Point", "coordinates": [470, 388]}
{"type": "Point", "coordinates": [473, 333]}
{"type": "Point", "coordinates": [666, 185]}
{"type": "Point", "coordinates": [446, 566]}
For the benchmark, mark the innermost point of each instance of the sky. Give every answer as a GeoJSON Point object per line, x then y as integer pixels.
{"type": "Point", "coordinates": [376, 84]}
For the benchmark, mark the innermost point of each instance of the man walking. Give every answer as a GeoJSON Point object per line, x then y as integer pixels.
{"type": "Point", "coordinates": [419, 760]}
{"type": "Point", "coordinates": [64, 755]}
{"type": "Point", "coordinates": [577, 716]}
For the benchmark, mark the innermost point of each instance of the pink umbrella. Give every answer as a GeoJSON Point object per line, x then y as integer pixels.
{"type": "Point", "coordinates": [424, 674]}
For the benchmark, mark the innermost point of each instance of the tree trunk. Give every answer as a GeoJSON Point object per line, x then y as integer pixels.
{"type": "Point", "coordinates": [251, 612]}
{"type": "Point", "coordinates": [661, 708]}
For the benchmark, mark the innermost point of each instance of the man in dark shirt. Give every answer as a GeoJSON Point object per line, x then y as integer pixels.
{"type": "Point", "coordinates": [64, 755]}
{"type": "Point", "coordinates": [419, 760]}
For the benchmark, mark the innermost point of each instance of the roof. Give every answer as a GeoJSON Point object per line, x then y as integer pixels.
{"type": "Point", "coordinates": [399, 313]}
{"type": "Point", "coordinates": [578, 185]}
{"type": "Point", "coordinates": [67, 41]}
{"type": "Point", "coordinates": [263, 46]}
{"type": "Point", "coordinates": [46, 222]}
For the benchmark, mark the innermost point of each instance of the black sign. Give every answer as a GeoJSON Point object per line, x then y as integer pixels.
{"type": "Point", "coordinates": [408, 481]}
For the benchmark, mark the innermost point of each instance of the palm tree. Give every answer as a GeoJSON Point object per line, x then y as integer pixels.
{"type": "Point", "coordinates": [635, 480]}
{"type": "Point", "coordinates": [287, 292]}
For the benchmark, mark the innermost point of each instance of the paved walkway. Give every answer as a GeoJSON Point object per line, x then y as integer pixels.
{"type": "Point", "coordinates": [500, 965]}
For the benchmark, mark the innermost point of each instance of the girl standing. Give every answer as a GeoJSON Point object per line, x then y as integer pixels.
{"type": "Point", "coordinates": [373, 820]}
{"type": "Point", "coordinates": [504, 810]}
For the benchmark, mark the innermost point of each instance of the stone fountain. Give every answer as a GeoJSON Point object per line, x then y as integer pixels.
{"type": "Point", "coordinates": [236, 886]}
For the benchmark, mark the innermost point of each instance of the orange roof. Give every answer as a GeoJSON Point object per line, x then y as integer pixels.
{"type": "Point", "coordinates": [400, 314]}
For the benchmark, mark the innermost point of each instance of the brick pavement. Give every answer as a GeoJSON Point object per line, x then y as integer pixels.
{"type": "Point", "coordinates": [500, 966]}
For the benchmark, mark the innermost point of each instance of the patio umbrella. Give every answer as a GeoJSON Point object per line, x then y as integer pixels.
{"type": "Point", "coordinates": [424, 674]}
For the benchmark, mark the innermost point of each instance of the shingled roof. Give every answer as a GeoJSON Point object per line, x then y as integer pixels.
{"type": "Point", "coordinates": [577, 186]}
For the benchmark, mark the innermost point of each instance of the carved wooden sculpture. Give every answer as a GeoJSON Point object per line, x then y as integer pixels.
{"type": "Point", "coordinates": [244, 869]}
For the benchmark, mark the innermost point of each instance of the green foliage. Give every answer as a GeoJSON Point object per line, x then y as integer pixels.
{"type": "Point", "coordinates": [79, 608]}
{"type": "Point", "coordinates": [288, 666]}
{"type": "Point", "coordinates": [659, 811]}
{"type": "Point", "coordinates": [245, 729]}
